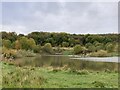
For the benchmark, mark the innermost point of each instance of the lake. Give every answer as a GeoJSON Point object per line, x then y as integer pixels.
{"type": "Point", "coordinates": [74, 62]}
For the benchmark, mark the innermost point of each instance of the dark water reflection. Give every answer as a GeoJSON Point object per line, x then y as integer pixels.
{"type": "Point", "coordinates": [60, 61]}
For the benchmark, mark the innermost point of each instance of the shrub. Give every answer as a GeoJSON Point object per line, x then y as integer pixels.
{"type": "Point", "coordinates": [48, 48]}
{"type": "Point", "coordinates": [6, 43]}
{"type": "Point", "coordinates": [37, 49]}
{"type": "Point", "coordinates": [90, 47]}
{"type": "Point", "coordinates": [77, 49]}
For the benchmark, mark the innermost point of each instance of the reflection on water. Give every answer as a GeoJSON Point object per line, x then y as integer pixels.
{"type": "Point", "coordinates": [100, 59]}
{"type": "Point", "coordinates": [60, 61]}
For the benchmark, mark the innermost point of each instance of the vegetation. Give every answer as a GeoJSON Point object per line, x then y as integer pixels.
{"type": "Point", "coordinates": [101, 53]}
{"type": "Point", "coordinates": [36, 77]}
{"type": "Point", "coordinates": [20, 77]}
{"type": "Point", "coordinates": [48, 48]}
{"type": "Point", "coordinates": [12, 53]}
{"type": "Point", "coordinates": [77, 49]}
{"type": "Point", "coordinates": [44, 42]}
{"type": "Point", "coordinates": [16, 46]}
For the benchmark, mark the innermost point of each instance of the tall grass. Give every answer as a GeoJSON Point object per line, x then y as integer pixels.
{"type": "Point", "coordinates": [22, 78]}
{"type": "Point", "coordinates": [35, 77]}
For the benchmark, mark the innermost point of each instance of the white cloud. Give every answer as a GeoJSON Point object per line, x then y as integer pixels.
{"type": "Point", "coordinates": [65, 17]}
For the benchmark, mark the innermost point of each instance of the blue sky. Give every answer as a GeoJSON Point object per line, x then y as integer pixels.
{"type": "Point", "coordinates": [70, 17]}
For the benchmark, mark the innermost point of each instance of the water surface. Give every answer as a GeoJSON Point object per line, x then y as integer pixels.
{"type": "Point", "coordinates": [69, 61]}
{"type": "Point", "coordinates": [98, 59]}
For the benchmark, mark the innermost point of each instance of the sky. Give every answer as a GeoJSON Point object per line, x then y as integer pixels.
{"type": "Point", "coordinates": [70, 17]}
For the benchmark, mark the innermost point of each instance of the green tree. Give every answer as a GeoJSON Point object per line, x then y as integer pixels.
{"type": "Point", "coordinates": [71, 41]}
{"type": "Point", "coordinates": [6, 43]}
{"type": "Point", "coordinates": [12, 36]}
{"type": "Point", "coordinates": [31, 43]}
{"type": "Point", "coordinates": [90, 47]}
{"type": "Point", "coordinates": [24, 43]}
{"type": "Point", "coordinates": [65, 44]}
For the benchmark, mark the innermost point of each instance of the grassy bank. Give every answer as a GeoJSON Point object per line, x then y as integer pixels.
{"type": "Point", "coordinates": [36, 77]}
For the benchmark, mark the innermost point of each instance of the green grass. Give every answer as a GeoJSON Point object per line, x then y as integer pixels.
{"type": "Point", "coordinates": [36, 77]}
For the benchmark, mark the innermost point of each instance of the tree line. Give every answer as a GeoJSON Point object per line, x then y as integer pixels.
{"type": "Point", "coordinates": [34, 40]}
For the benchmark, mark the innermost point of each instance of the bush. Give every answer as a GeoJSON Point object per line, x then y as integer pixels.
{"type": "Point", "coordinates": [6, 43]}
{"type": "Point", "coordinates": [37, 49]}
{"type": "Point", "coordinates": [77, 49]}
{"type": "Point", "coordinates": [48, 48]}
